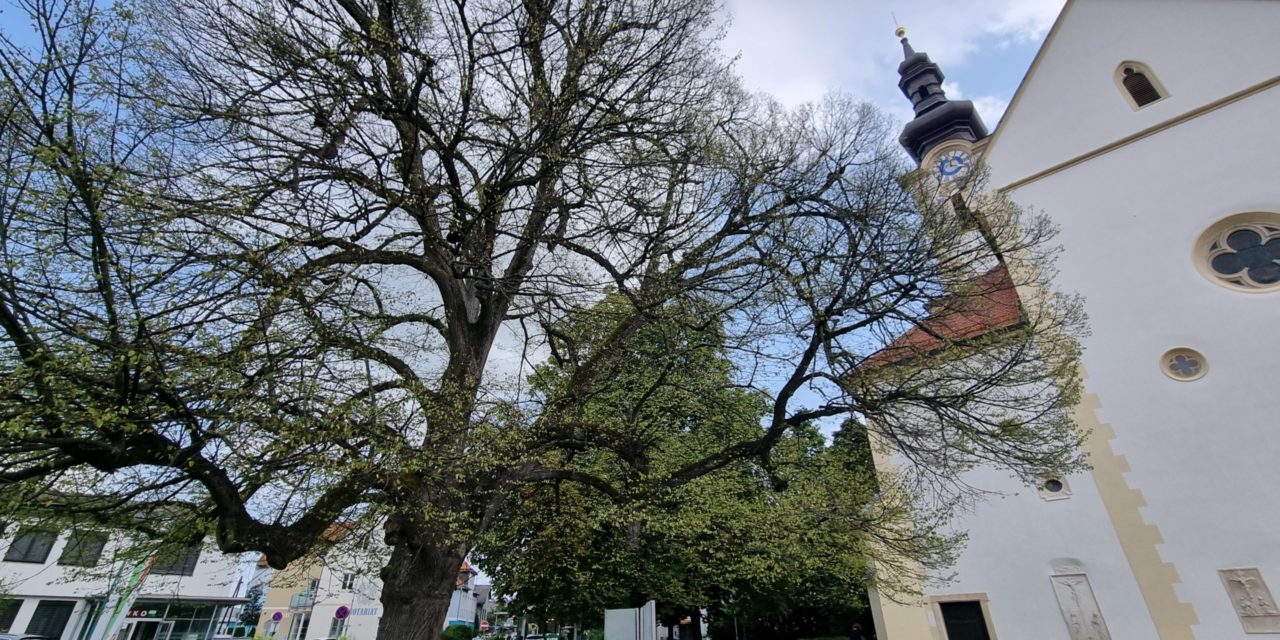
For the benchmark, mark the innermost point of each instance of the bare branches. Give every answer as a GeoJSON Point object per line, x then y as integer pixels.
{"type": "Point", "coordinates": [263, 260]}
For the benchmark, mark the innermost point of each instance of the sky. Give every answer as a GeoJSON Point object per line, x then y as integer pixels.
{"type": "Point", "coordinates": [798, 50]}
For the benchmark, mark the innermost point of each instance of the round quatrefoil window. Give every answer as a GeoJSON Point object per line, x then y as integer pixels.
{"type": "Point", "coordinates": [1242, 252]}
{"type": "Point", "coordinates": [1184, 364]}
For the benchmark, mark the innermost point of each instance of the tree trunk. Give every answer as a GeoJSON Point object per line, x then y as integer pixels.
{"type": "Point", "coordinates": [417, 584]}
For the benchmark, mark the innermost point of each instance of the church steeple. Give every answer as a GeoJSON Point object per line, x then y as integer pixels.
{"type": "Point", "coordinates": [937, 118]}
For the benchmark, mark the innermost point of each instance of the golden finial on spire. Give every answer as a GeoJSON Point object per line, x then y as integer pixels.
{"type": "Point", "coordinates": [901, 32]}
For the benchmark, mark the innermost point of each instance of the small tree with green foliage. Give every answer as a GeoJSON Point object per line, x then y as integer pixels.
{"type": "Point", "coordinates": [458, 632]}
{"type": "Point", "coordinates": [806, 518]}
{"type": "Point", "coordinates": [252, 610]}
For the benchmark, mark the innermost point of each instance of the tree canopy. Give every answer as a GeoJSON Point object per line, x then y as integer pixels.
{"type": "Point", "coordinates": [806, 521]}
{"type": "Point", "coordinates": [272, 263]}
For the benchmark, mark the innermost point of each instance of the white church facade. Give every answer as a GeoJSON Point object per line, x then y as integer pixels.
{"type": "Point", "coordinates": [1145, 130]}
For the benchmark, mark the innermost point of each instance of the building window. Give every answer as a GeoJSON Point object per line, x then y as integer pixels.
{"type": "Point", "coordinates": [31, 545]}
{"type": "Point", "coordinates": [348, 581]}
{"type": "Point", "coordinates": [1249, 254]}
{"type": "Point", "coordinates": [298, 627]}
{"type": "Point", "coordinates": [1139, 85]}
{"type": "Point", "coordinates": [8, 613]}
{"type": "Point", "coordinates": [964, 620]}
{"type": "Point", "coordinates": [50, 618]}
{"type": "Point", "coordinates": [1054, 489]}
{"type": "Point", "coordinates": [313, 586]}
{"type": "Point", "coordinates": [176, 560]}
{"type": "Point", "coordinates": [1242, 252]}
{"type": "Point", "coordinates": [83, 549]}
{"type": "Point", "coordinates": [337, 628]}
{"type": "Point", "coordinates": [1184, 364]}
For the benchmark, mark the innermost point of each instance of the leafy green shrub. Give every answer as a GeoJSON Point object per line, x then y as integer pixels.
{"type": "Point", "coordinates": [458, 632]}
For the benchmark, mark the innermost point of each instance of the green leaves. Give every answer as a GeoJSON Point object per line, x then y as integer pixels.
{"type": "Point", "coordinates": [567, 550]}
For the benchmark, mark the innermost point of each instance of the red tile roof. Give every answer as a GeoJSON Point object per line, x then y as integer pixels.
{"type": "Point", "coordinates": [989, 304]}
{"type": "Point", "coordinates": [338, 530]}
{"type": "Point", "coordinates": [463, 577]}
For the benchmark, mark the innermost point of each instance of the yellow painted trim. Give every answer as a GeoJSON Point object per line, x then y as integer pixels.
{"type": "Point", "coordinates": [1156, 578]}
{"type": "Point", "coordinates": [898, 620]}
{"type": "Point", "coordinates": [1173, 619]}
{"type": "Point", "coordinates": [1145, 133]}
{"type": "Point", "coordinates": [896, 617]}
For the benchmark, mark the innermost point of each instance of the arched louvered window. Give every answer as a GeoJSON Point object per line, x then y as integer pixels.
{"type": "Point", "coordinates": [1139, 85]}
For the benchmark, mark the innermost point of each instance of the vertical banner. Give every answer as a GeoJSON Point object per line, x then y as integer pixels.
{"type": "Point", "coordinates": [121, 595]}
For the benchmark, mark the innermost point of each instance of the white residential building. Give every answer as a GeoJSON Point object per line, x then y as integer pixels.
{"type": "Point", "coordinates": [340, 598]}
{"type": "Point", "coordinates": [56, 583]}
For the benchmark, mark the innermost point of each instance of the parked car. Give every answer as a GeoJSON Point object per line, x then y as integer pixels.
{"type": "Point", "coordinates": [22, 636]}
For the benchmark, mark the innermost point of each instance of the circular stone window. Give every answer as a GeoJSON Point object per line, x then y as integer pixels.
{"type": "Point", "coordinates": [1183, 364]}
{"type": "Point", "coordinates": [1054, 489]}
{"type": "Point", "coordinates": [1242, 252]}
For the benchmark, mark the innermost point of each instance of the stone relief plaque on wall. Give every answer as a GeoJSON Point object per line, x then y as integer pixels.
{"type": "Point", "coordinates": [1252, 600]}
{"type": "Point", "coordinates": [1079, 608]}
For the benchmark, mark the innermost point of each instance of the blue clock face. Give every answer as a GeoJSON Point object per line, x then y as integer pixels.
{"type": "Point", "coordinates": [953, 163]}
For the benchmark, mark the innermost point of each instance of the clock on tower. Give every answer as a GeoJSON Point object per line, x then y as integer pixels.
{"type": "Point", "coordinates": [953, 164]}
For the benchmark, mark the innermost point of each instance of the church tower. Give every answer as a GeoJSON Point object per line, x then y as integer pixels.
{"type": "Point", "coordinates": [944, 132]}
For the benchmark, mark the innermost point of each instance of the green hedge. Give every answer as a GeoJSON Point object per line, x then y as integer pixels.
{"type": "Point", "coordinates": [458, 632]}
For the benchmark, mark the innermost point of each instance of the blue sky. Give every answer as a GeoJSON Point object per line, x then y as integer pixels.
{"type": "Point", "coordinates": [798, 50]}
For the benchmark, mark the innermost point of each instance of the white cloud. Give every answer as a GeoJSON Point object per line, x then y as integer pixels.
{"type": "Point", "coordinates": [1026, 21]}
{"type": "Point", "coordinates": [799, 49]}
{"type": "Point", "coordinates": [991, 108]}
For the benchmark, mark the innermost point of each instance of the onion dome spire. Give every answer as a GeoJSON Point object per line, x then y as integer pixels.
{"type": "Point", "coordinates": [937, 118]}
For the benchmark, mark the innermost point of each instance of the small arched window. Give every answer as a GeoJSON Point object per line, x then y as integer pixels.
{"type": "Point", "coordinates": [1139, 86]}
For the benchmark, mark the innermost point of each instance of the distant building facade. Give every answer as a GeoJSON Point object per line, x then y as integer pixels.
{"type": "Point", "coordinates": [340, 597]}
{"type": "Point", "coordinates": [57, 584]}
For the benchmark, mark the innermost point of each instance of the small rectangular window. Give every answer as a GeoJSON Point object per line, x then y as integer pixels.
{"type": "Point", "coordinates": [177, 560]}
{"type": "Point", "coordinates": [8, 613]}
{"type": "Point", "coordinates": [83, 549]}
{"type": "Point", "coordinates": [31, 545]}
{"type": "Point", "coordinates": [337, 627]}
{"type": "Point", "coordinates": [348, 581]}
{"type": "Point", "coordinates": [964, 620]}
{"type": "Point", "coordinates": [298, 629]}
{"type": "Point", "coordinates": [50, 618]}
{"type": "Point", "coordinates": [313, 586]}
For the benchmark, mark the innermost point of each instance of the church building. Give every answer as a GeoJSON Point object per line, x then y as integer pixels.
{"type": "Point", "coordinates": [1146, 131]}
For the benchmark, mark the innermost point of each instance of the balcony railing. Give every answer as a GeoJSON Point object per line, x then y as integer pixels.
{"type": "Point", "coordinates": [303, 600]}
